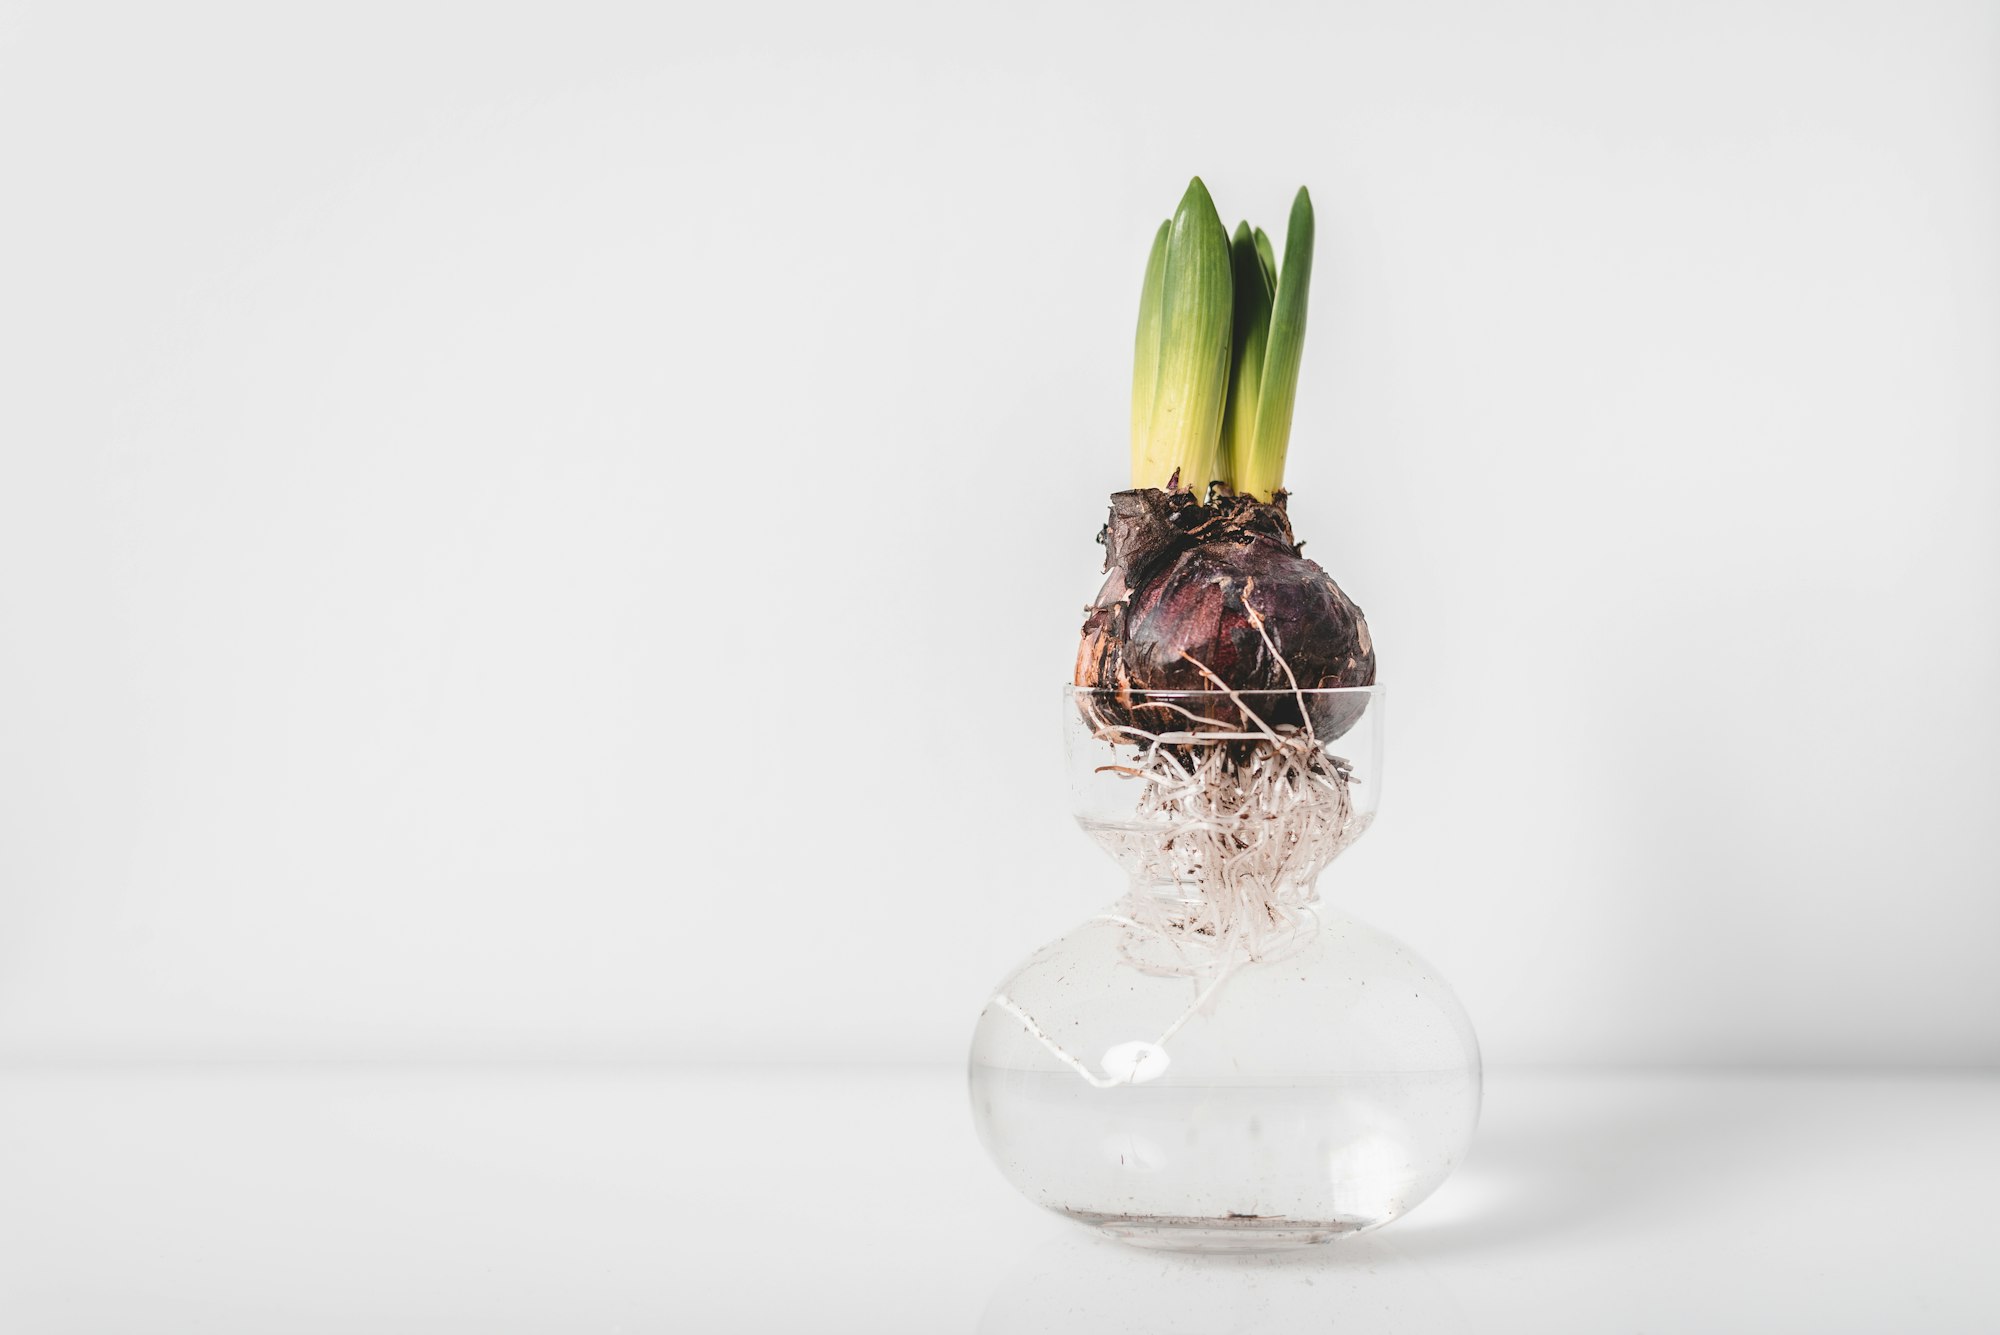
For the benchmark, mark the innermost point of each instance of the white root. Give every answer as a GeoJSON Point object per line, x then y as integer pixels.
{"type": "Point", "coordinates": [1230, 831]}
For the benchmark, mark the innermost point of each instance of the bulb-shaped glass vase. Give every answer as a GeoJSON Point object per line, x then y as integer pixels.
{"type": "Point", "coordinates": [1220, 1061]}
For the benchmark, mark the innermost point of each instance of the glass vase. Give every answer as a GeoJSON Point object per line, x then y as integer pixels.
{"type": "Point", "coordinates": [1220, 1061]}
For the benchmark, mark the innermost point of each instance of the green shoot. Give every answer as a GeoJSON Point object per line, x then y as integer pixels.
{"type": "Point", "coordinates": [1262, 472]}
{"type": "Point", "coordinates": [1146, 349]}
{"type": "Point", "coordinates": [1191, 379]}
{"type": "Point", "coordinates": [1215, 362]}
{"type": "Point", "coordinates": [1246, 352]}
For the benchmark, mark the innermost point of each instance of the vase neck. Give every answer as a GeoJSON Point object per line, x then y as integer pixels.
{"type": "Point", "coordinates": [1195, 892]}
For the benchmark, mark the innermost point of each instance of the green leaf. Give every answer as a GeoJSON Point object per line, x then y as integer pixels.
{"type": "Point", "coordinates": [1266, 262]}
{"type": "Point", "coordinates": [1264, 472]}
{"type": "Point", "coordinates": [1252, 326]}
{"type": "Point", "coordinates": [1146, 347]}
{"type": "Point", "coordinates": [1184, 432]}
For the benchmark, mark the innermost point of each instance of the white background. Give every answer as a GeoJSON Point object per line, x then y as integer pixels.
{"type": "Point", "coordinates": [558, 533]}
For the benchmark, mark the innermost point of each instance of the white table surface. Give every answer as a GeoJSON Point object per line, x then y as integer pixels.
{"type": "Point", "coordinates": [492, 1199]}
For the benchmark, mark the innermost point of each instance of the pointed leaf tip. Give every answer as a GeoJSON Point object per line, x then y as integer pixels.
{"type": "Point", "coordinates": [1197, 193]}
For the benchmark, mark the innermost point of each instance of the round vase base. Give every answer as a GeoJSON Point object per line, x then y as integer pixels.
{"type": "Point", "coordinates": [1230, 1233]}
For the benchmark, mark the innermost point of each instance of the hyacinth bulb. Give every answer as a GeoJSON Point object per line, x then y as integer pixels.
{"type": "Point", "coordinates": [1200, 596]}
